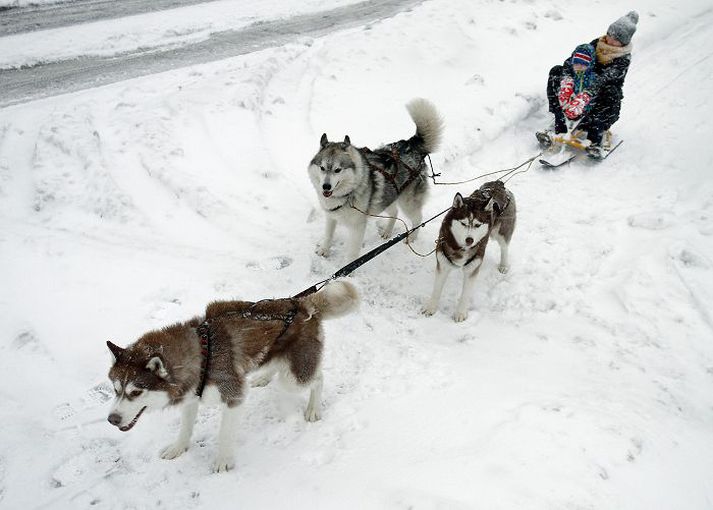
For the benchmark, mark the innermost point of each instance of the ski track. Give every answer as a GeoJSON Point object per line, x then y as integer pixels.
{"type": "Point", "coordinates": [590, 351]}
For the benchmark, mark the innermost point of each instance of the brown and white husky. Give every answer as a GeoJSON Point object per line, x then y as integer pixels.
{"type": "Point", "coordinates": [168, 367]}
{"type": "Point", "coordinates": [489, 212]}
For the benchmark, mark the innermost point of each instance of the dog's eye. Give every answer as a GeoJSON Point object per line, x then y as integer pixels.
{"type": "Point", "coordinates": [464, 223]}
{"type": "Point", "coordinates": [337, 170]}
{"type": "Point", "coordinates": [323, 169]}
{"type": "Point", "coordinates": [136, 393]}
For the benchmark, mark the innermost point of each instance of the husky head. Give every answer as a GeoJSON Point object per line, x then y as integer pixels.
{"type": "Point", "coordinates": [470, 219]}
{"type": "Point", "coordinates": [140, 380]}
{"type": "Point", "coordinates": [336, 168]}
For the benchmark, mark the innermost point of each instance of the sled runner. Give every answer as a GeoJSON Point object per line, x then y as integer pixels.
{"type": "Point", "coordinates": [574, 140]}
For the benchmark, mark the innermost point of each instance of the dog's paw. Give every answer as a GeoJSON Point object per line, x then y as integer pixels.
{"type": "Point", "coordinates": [503, 268]}
{"type": "Point", "coordinates": [322, 251]}
{"type": "Point", "coordinates": [313, 413]}
{"type": "Point", "coordinates": [174, 450]}
{"type": "Point", "coordinates": [460, 315]}
{"type": "Point", "coordinates": [411, 237]}
{"type": "Point", "coordinates": [429, 310]}
{"type": "Point", "coordinates": [384, 233]}
{"type": "Point", "coordinates": [223, 464]}
{"type": "Point", "coordinates": [260, 381]}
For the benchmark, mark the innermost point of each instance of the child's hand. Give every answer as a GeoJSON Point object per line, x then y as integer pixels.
{"type": "Point", "coordinates": [565, 91]}
{"type": "Point", "coordinates": [575, 108]}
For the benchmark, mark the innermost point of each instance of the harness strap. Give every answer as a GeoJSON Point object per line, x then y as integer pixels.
{"type": "Point", "coordinates": [391, 178]}
{"type": "Point", "coordinates": [205, 334]}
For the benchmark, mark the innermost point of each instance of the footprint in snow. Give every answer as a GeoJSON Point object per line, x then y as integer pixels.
{"type": "Point", "coordinates": [276, 263]}
{"type": "Point", "coordinates": [87, 408]}
{"type": "Point", "coordinates": [650, 220]}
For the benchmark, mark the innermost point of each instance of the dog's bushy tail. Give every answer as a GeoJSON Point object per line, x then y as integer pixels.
{"type": "Point", "coordinates": [429, 123]}
{"type": "Point", "coordinates": [334, 300]}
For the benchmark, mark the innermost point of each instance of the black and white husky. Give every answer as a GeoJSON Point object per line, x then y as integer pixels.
{"type": "Point", "coordinates": [351, 181]}
{"type": "Point", "coordinates": [489, 212]}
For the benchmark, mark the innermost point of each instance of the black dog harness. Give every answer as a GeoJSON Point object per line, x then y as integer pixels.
{"type": "Point", "coordinates": [206, 333]}
{"type": "Point", "coordinates": [390, 177]}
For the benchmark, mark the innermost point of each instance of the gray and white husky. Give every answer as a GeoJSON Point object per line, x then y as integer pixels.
{"type": "Point", "coordinates": [170, 367]}
{"type": "Point", "coordinates": [489, 212]}
{"type": "Point", "coordinates": [351, 181]}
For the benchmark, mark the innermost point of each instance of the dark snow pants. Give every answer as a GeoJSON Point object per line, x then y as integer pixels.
{"type": "Point", "coordinates": [603, 111]}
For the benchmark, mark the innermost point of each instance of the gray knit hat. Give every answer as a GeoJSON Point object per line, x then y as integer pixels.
{"type": "Point", "coordinates": [623, 29]}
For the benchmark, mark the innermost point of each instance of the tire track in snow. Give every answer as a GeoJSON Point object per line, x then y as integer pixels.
{"type": "Point", "coordinates": [45, 80]}
{"type": "Point", "coordinates": [18, 20]}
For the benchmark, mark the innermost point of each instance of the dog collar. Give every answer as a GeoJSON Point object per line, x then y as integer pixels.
{"type": "Point", "coordinates": [346, 200]}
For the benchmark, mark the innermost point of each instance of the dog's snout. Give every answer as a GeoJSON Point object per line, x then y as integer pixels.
{"type": "Point", "coordinates": [114, 419]}
{"type": "Point", "coordinates": [326, 186]}
{"type": "Point", "coordinates": [468, 241]}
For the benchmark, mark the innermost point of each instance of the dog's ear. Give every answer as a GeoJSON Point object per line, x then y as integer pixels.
{"type": "Point", "coordinates": [347, 141]}
{"type": "Point", "coordinates": [116, 351]}
{"type": "Point", "coordinates": [323, 141]}
{"type": "Point", "coordinates": [458, 201]}
{"type": "Point", "coordinates": [156, 366]}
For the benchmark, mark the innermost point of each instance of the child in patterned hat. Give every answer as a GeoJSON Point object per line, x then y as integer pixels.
{"type": "Point", "coordinates": [575, 90]}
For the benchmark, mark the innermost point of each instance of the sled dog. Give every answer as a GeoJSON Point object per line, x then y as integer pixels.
{"type": "Point", "coordinates": [173, 366]}
{"type": "Point", "coordinates": [350, 179]}
{"type": "Point", "coordinates": [489, 212]}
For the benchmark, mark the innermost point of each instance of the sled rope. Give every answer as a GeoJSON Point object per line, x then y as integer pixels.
{"type": "Point", "coordinates": [507, 174]}
{"type": "Point", "coordinates": [358, 262]}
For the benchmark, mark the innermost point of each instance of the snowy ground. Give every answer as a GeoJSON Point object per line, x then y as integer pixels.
{"type": "Point", "coordinates": [582, 380]}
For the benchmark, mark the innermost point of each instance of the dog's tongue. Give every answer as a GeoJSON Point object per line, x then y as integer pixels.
{"type": "Point", "coordinates": [327, 193]}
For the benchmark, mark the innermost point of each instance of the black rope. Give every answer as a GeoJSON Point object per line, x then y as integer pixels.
{"type": "Point", "coordinates": [356, 263]}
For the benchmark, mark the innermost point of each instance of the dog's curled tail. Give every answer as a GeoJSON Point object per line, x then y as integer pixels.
{"type": "Point", "coordinates": [429, 123]}
{"type": "Point", "coordinates": [334, 300]}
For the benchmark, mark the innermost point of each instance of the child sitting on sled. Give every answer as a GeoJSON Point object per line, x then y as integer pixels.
{"type": "Point", "coordinates": [612, 55]}
{"type": "Point", "coordinates": [573, 94]}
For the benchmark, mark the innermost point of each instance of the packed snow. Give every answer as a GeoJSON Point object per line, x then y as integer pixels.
{"type": "Point", "coordinates": [582, 379]}
{"type": "Point", "coordinates": [150, 31]}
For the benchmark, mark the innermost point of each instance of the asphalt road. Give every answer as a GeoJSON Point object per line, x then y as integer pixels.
{"type": "Point", "coordinates": [41, 17]}
{"type": "Point", "coordinates": [22, 85]}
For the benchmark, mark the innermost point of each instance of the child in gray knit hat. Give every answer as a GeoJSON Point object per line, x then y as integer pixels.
{"type": "Point", "coordinates": [613, 56]}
